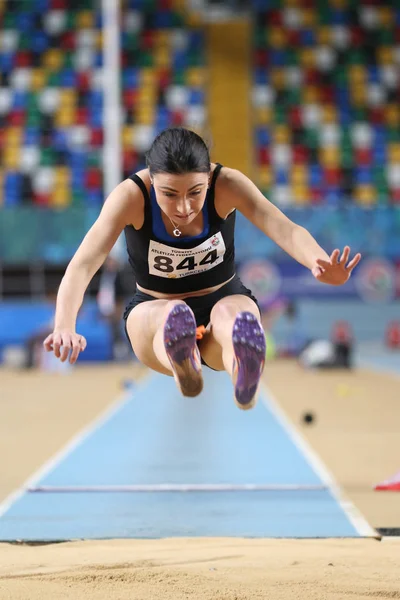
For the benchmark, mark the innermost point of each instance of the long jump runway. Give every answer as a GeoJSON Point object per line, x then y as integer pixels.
{"type": "Point", "coordinates": [160, 465]}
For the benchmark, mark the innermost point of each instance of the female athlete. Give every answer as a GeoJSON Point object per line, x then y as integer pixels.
{"type": "Point", "coordinates": [179, 215]}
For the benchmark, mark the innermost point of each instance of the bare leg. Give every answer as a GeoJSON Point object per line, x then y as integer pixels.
{"type": "Point", "coordinates": [216, 347]}
{"type": "Point", "coordinates": [236, 343]}
{"type": "Point", "coordinates": [145, 326]}
{"type": "Point", "coordinates": [163, 337]}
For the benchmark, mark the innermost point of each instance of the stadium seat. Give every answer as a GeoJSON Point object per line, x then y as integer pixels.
{"type": "Point", "coordinates": [314, 70]}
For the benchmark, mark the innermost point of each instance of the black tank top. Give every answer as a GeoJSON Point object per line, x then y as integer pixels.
{"type": "Point", "coordinates": [171, 265]}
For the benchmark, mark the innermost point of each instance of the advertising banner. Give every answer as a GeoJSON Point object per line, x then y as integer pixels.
{"type": "Point", "coordinates": [375, 280]}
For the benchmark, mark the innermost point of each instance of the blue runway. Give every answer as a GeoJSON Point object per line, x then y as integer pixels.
{"type": "Point", "coordinates": [158, 437]}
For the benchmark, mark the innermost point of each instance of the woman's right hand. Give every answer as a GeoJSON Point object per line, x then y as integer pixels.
{"type": "Point", "coordinates": [61, 341]}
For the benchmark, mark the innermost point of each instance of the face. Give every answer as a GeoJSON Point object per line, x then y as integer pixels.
{"type": "Point", "coordinates": [181, 197]}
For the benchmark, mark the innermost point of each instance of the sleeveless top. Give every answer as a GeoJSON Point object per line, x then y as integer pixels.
{"type": "Point", "coordinates": [173, 265]}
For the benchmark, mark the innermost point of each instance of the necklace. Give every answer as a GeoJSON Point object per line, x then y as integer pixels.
{"type": "Point", "coordinates": [176, 231]}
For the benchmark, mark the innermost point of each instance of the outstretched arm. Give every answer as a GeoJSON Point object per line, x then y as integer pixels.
{"type": "Point", "coordinates": [117, 212]}
{"type": "Point", "coordinates": [241, 193]}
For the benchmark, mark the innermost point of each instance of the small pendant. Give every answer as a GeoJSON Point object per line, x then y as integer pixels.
{"type": "Point", "coordinates": [176, 232]}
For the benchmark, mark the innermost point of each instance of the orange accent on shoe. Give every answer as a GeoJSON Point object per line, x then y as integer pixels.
{"type": "Point", "coordinates": [200, 331]}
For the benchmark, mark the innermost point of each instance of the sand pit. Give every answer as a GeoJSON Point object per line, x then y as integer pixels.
{"type": "Point", "coordinates": [217, 569]}
{"type": "Point", "coordinates": [359, 449]}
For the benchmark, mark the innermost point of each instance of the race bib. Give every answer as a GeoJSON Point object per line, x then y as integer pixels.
{"type": "Point", "coordinates": [174, 263]}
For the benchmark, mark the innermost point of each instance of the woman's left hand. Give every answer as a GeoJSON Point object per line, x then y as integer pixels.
{"type": "Point", "coordinates": [335, 271]}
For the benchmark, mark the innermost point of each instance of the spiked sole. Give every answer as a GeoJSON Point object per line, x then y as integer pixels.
{"type": "Point", "coordinates": [249, 348]}
{"type": "Point", "coordinates": [182, 351]}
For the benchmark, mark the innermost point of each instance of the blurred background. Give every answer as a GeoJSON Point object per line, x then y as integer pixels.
{"type": "Point", "coordinates": [300, 95]}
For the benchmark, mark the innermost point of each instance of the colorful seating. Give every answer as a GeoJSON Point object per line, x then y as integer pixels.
{"type": "Point", "coordinates": [49, 103]}
{"type": "Point", "coordinates": [325, 97]}
{"type": "Point", "coordinates": [163, 75]}
{"type": "Point", "coordinates": [330, 73]}
{"type": "Point", "coordinates": [51, 93]}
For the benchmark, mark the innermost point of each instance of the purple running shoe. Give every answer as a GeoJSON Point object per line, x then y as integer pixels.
{"type": "Point", "coordinates": [182, 351]}
{"type": "Point", "coordinates": [248, 364]}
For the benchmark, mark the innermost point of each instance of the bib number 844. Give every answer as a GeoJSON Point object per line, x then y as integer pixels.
{"type": "Point", "coordinates": [165, 264]}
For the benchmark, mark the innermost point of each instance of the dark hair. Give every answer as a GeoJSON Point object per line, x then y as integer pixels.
{"type": "Point", "coordinates": [177, 151]}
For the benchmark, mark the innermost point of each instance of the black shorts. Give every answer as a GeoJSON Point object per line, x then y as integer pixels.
{"type": "Point", "coordinates": [200, 305]}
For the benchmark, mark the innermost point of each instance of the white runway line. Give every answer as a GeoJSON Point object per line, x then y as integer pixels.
{"type": "Point", "coordinates": [180, 487]}
{"type": "Point", "coordinates": [55, 460]}
{"type": "Point", "coordinates": [353, 514]}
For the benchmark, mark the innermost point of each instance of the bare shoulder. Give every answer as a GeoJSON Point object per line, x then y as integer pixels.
{"type": "Point", "coordinates": [230, 177]}
{"type": "Point", "coordinates": [230, 187]}
{"type": "Point", "coordinates": [127, 199]}
{"type": "Point", "coordinates": [232, 181]}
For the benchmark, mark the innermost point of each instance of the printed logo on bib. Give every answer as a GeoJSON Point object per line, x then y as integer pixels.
{"type": "Point", "coordinates": [174, 263]}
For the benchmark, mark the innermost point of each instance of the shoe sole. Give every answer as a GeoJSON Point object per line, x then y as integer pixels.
{"type": "Point", "coordinates": [182, 351]}
{"type": "Point", "coordinates": [249, 348]}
